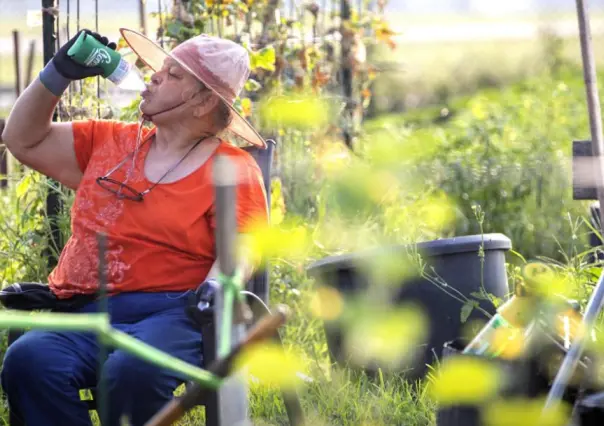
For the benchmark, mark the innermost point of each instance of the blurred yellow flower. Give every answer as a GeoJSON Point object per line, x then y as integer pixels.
{"type": "Point", "coordinates": [542, 280]}
{"type": "Point", "coordinates": [508, 343]}
{"type": "Point", "coordinates": [464, 380]}
{"type": "Point", "coordinates": [529, 412]}
{"type": "Point", "coordinates": [278, 208]}
{"type": "Point", "coordinates": [246, 107]}
{"type": "Point", "coordinates": [270, 365]}
{"type": "Point", "coordinates": [388, 336]}
{"type": "Point", "coordinates": [479, 110]}
{"type": "Point", "coordinates": [327, 303]}
{"type": "Point", "coordinates": [297, 111]}
{"type": "Point", "coordinates": [434, 212]}
{"type": "Point", "coordinates": [285, 240]}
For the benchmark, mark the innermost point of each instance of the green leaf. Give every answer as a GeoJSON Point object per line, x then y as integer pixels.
{"type": "Point", "coordinates": [264, 58]}
{"type": "Point", "coordinates": [174, 28]}
{"type": "Point", "coordinates": [466, 310]}
{"type": "Point", "coordinates": [252, 85]}
{"type": "Point", "coordinates": [23, 186]}
{"type": "Point", "coordinates": [478, 295]}
{"type": "Point", "coordinates": [497, 302]}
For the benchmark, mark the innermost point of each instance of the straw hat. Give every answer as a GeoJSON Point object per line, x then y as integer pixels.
{"type": "Point", "coordinates": [221, 65]}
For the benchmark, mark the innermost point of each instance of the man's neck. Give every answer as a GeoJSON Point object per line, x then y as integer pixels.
{"type": "Point", "coordinates": [177, 139]}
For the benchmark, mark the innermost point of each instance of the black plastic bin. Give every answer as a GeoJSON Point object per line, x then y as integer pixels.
{"type": "Point", "coordinates": [528, 378]}
{"type": "Point", "coordinates": [455, 260]}
{"type": "Point", "coordinates": [590, 410]}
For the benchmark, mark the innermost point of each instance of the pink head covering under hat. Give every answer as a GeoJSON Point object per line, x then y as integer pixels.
{"type": "Point", "coordinates": [221, 65]}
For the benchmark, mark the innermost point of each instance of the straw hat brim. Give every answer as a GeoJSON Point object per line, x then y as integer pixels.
{"type": "Point", "coordinates": [154, 56]}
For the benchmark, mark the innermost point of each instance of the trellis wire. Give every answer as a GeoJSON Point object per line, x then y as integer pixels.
{"type": "Point", "coordinates": [103, 310]}
{"type": "Point", "coordinates": [98, 78]}
{"type": "Point", "coordinates": [78, 30]}
{"type": "Point", "coordinates": [54, 204]}
{"type": "Point", "coordinates": [58, 21]}
{"type": "Point", "coordinates": [68, 34]}
{"type": "Point", "coordinates": [160, 30]}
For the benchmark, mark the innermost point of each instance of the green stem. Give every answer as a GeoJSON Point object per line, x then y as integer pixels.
{"type": "Point", "coordinates": [158, 357]}
{"type": "Point", "coordinates": [99, 323]}
{"type": "Point", "coordinates": [227, 321]}
{"type": "Point", "coordinates": [231, 286]}
{"type": "Point", "coordinates": [54, 321]}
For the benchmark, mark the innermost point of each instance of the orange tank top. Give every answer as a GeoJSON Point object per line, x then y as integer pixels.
{"type": "Point", "coordinates": [163, 243]}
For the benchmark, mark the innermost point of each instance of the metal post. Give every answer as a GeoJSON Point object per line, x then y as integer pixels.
{"type": "Point", "coordinates": [160, 30]}
{"type": "Point", "coordinates": [593, 101]}
{"type": "Point", "coordinates": [54, 204]}
{"type": "Point", "coordinates": [98, 77]}
{"type": "Point", "coordinates": [142, 16]}
{"type": "Point", "coordinates": [229, 404]}
{"type": "Point", "coordinates": [594, 305]}
{"type": "Point", "coordinates": [101, 396]}
{"type": "Point", "coordinates": [346, 70]}
{"type": "Point", "coordinates": [30, 63]}
{"type": "Point", "coordinates": [3, 159]}
{"type": "Point", "coordinates": [17, 57]}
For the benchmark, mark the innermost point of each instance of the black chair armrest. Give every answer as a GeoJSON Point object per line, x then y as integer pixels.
{"type": "Point", "coordinates": [39, 297]}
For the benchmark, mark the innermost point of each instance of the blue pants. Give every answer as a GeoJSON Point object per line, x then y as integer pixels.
{"type": "Point", "coordinates": [43, 371]}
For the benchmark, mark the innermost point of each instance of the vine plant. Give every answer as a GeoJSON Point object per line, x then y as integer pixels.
{"type": "Point", "coordinates": [300, 53]}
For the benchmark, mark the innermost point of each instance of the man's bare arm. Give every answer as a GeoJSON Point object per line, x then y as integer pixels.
{"type": "Point", "coordinates": [31, 136]}
{"type": "Point", "coordinates": [34, 140]}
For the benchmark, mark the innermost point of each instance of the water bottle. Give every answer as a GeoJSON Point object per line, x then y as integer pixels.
{"type": "Point", "coordinates": [515, 315]}
{"type": "Point", "coordinates": [484, 339]}
{"type": "Point", "coordinates": [90, 52]}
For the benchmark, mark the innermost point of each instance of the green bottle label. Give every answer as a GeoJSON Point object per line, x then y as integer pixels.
{"type": "Point", "coordinates": [499, 321]}
{"type": "Point", "coordinates": [90, 52]}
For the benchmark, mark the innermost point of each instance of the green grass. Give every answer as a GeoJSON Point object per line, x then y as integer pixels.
{"type": "Point", "coordinates": [419, 75]}
{"type": "Point", "coordinates": [336, 395]}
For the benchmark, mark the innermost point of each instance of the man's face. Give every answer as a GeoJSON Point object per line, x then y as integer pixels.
{"type": "Point", "coordinates": [170, 86]}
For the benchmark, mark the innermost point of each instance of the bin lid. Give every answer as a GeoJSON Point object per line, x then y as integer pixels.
{"type": "Point", "coordinates": [444, 246]}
